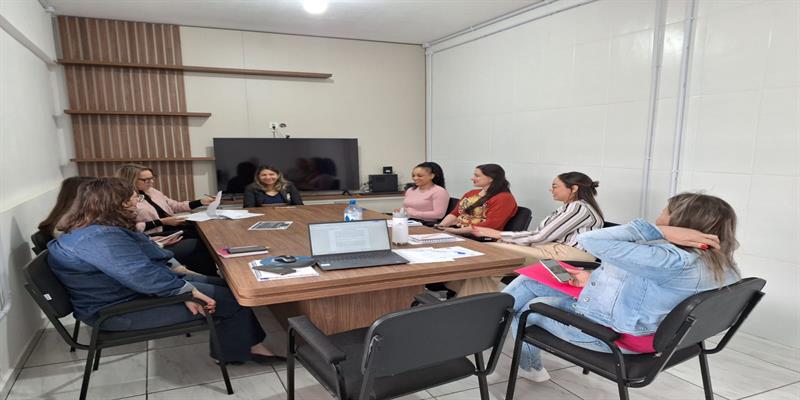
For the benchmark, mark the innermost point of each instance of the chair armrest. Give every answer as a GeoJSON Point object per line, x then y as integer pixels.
{"type": "Point", "coordinates": [144, 303]}
{"type": "Point", "coordinates": [590, 328]}
{"type": "Point", "coordinates": [426, 299]}
{"type": "Point", "coordinates": [589, 265]}
{"type": "Point", "coordinates": [316, 339]}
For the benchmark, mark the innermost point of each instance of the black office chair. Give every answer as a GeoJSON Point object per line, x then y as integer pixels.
{"type": "Point", "coordinates": [53, 299]}
{"type": "Point", "coordinates": [39, 241]}
{"type": "Point", "coordinates": [520, 221]}
{"type": "Point", "coordinates": [405, 351]}
{"type": "Point", "coordinates": [680, 337]}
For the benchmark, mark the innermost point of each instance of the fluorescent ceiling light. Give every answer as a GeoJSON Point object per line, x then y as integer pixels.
{"type": "Point", "coordinates": [315, 6]}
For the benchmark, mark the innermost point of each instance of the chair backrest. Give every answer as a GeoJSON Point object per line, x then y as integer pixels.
{"type": "Point", "coordinates": [432, 334]}
{"type": "Point", "coordinates": [452, 204]}
{"type": "Point", "coordinates": [39, 241]}
{"type": "Point", "coordinates": [46, 289]}
{"type": "Point", "coordinates": [709, 313]}
{"type": "Point", "coordinates": [520, 221]}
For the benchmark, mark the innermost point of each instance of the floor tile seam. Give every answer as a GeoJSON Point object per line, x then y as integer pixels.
{"type": "Point", "coordinates": [565, 388]}
{"type": "Point", "coordinates": [767, 391]}
{"type": "Point", "coordinates": [82, 360]}
{"type": "Point", "coordinates": [214, 381]}
{"type": "Point", "coordinates": [696, 385]}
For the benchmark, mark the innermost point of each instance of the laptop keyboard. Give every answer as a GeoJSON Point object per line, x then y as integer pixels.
{"type": "Point", "coordinates": [346, 257]}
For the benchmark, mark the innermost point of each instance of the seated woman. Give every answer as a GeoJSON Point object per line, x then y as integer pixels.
{"type": "Point", "coordinates": [69, 187]}
{"type": "Point", "coordinates": [103, 261]}
{"type": "Point", "coordinates": [490, 206]}
{"type": "Point", "coordinates": [155, 216]}
{"type": "Point", "coordinates": [646, 271]}
{"type": "Point", "coordinates": [556, 236]}
{"type": "Point", "coordinates": [428, 199]}
{"type": "Point", "coordinates": [270, 188]}
{"type": "Point", "coordinates": [156, 212]}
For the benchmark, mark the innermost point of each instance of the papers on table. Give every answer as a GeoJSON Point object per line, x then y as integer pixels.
{"type": "Point", "coordinates": [411, 222]}
{"type": "Point", "coordinates": [422, 255]}
{"type": "Point", "coordinates": [433, 238]}
{"type": "Point", "coordinates": [270, 226]}
{"type": "Point", "coordinates": [213, 212]}
{"type": "Point", "coordinates": [221, 214]}
{"type": "Point", "coordinates": [268, 276]}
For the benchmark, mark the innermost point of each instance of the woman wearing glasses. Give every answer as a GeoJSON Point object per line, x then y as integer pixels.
{"type": "Point", "coordinates": [155, 216]}
{"type": "Point", "coordinates": [155, 213]}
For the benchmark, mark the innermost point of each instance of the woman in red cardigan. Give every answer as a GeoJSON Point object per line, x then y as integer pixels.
{"type": "Point", "coordinates": [489, 206]}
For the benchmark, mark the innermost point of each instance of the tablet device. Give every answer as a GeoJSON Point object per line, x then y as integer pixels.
{"type": "Point", "coordinates": [275, 269]}
{"type": "Point", "coordinates": [556, 270]}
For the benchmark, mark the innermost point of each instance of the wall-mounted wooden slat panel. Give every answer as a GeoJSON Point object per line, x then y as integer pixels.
{"type": "Point", "coordinates": [110, 88]}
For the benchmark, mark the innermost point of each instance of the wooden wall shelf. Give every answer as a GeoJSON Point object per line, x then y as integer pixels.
{"type": "Point", "coordinates": [189, 68]}
{"type": "Point", "coordinates": [145, 113]}
{"type": "Point", "coordinates": [130, 159]}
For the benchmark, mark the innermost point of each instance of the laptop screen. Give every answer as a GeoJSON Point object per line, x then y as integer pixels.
{"type": "Point", "coordinates": [348, 237]}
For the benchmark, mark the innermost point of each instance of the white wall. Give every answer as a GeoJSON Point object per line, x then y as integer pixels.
{"type": "Point", "coordinates": [30, 160]}
{"type": "Point", "coordinates": [569, 91]}
{"type": "Point", "coordinates": [377, 95]}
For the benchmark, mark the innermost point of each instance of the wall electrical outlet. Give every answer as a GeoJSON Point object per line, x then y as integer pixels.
{"type": "Point", "coordinates": [273, 125]}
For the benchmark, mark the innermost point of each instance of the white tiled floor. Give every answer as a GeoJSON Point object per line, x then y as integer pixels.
{"type": "Point", "coordinates": [179, 368]}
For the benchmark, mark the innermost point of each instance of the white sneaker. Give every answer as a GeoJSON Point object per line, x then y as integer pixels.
{"type": "Point", "coordinates": [535, 375]}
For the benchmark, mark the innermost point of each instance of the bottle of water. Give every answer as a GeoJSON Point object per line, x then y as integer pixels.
{"type": "Point", "coordinates": [352, 212]}
{"type": "Point", "coordinates": [400, 227]}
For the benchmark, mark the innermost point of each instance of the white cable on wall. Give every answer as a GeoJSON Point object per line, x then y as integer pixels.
{"type": "Point", "coordinates": [655, 84]}
{"type": "Point", "coordinates": [683, 93]}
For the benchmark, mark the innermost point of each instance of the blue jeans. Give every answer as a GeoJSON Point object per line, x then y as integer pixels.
{"type": "Point", "coordinates": [527, 291]}
{"type": "Point", "coordinates": [237, 326]}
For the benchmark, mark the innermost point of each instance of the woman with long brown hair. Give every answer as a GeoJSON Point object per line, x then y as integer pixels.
{"type": "Point", "coordinates": [556, 236]}
{"type": "Point", "coordinates": [103, 261]}
{"type": "Point", "coordinates": [269, 187]}
{"type": "Point", "coordinates": [491, 205]}
{"type": "Point", "coordinates": [647, 270]}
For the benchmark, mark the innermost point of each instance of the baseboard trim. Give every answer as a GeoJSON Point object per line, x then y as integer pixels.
{"type": "Point", "coordinates": [8, 381]}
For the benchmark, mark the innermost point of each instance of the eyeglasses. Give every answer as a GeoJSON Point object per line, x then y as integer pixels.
{"type": "Point", "coordinates": [150, 179]}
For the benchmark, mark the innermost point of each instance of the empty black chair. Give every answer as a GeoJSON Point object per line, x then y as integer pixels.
{"type": "Point", "coordinates": [680, 337]}
{"type": "Point", "coordinates": [405, 351]}
{"type": "Point", "coordinates": [53, 299]}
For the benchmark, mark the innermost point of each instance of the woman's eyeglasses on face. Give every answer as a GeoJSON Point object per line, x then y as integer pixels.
{"type": "Point", "coordinates": [150, 179]}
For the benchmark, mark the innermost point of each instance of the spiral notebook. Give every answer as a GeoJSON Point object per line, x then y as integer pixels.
{"type": "Point", "coordinates": [433, 238]}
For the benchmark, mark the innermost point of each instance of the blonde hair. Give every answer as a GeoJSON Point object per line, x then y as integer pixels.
{"type": "Point", "coordinates": [711, 215]}
{"type": "Point", "coordinates": [280, 184]}
{"type": "Point", "coordinates": [130, 172]}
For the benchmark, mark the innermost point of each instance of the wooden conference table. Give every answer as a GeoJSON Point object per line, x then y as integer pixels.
{"type": "Point", "coordinates": [335, 300]}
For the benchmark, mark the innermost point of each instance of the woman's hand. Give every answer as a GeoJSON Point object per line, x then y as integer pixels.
{"type": "Point", "coordinates": [194, 308]}
{"type": "Point", "coordinates": [481, 231]}
{"type": "Point", "coordinates": [172, 221]}
{"type": "Point", "coordinates": [689, 237]}
{"type": "Point", "coordinates": [459, 230]}
{"type": "Point", "coordinates": [580, 277]}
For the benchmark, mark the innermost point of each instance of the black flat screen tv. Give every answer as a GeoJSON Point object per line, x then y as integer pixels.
{"type": "Point", "coordinates": [311, 164]}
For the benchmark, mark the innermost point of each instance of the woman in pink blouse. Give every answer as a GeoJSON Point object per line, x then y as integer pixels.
{"type": "Point", "coordinates": [428, 199]}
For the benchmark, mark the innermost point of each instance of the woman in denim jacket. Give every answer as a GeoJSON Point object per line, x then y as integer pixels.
{"type": "Point", "coordinates": [646, 271]}
{"type": "Point", "coordinates": [103, 261]}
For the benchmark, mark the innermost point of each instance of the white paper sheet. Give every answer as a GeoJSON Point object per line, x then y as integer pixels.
{"type": "Point", "coordinates": [298, 273]}
{"type": "Point", "coordinates": [423, 255]}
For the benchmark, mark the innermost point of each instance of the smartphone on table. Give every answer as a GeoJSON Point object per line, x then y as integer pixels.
{"type": "Point", "coordinates": [245, 249]}
{"type": "Point", "coordinates": [555, 268]}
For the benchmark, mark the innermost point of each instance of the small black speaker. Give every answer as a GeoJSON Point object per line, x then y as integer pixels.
{"type": "Point", "coordinates": [387, 170]}
{"type": "Point", "coordinates": [383, 183]}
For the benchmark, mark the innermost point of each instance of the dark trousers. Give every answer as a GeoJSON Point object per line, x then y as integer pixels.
{"type": "Point", "coordinates": [237, 326]}
{"type": "Point", "coordinates": [194, 254]}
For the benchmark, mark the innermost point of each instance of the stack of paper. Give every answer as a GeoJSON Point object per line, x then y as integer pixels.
{"type": "Point", "coordinates": [411, 222]}
{"type": "Point", "coordinates": [221, 214]}
{"type": "Point", "coordinates": [433, 238]}
{"type": "Point", "coordinates": [298, 273]}
{"type": "Point", "coordinates": [423, 255]}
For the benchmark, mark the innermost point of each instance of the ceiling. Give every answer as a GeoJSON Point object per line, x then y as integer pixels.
{"type": "Point", "coordinates": [403, 21]}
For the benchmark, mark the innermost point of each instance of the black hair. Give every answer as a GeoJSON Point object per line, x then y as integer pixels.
{"type": "Point", "coordinates": [499, 184]}
{"type": "Point", "coordinates": [435, 169]}
{"type": "Point", "coordinates": [587, 188]}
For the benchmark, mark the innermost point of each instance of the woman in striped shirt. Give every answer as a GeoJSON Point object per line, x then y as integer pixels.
{"type": "Point", "coordinates": [556, 236]}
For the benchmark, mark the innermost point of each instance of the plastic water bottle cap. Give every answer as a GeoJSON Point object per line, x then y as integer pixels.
{"type": "Point", "coordinates": [352, 201]}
